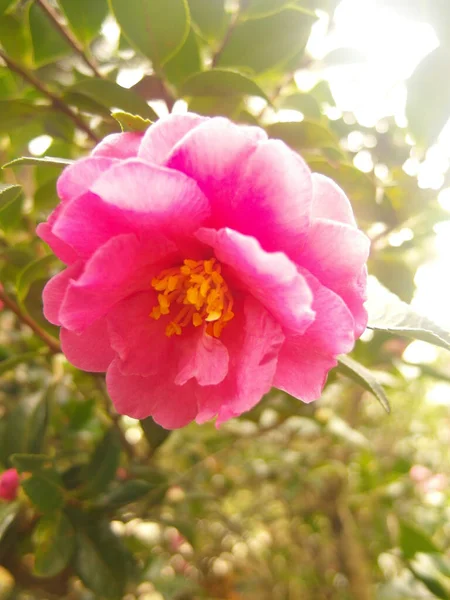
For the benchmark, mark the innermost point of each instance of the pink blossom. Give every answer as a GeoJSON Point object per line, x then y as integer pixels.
{"type": "Point", "coordinates": [9, 484]}
{"type": "Point", "coordinates": [205, 264]}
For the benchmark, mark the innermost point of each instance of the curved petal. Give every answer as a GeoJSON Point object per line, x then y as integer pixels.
{"type": "Point", "coordinates": [330, 202]}
{"type": "Point", "coordinates": [119, 268]}
{"type": "Point", "coordinates": [62, 250]}
{"type": "Point", "coordinates": [78, 178]}
{"type": "Point", "coordinates": [272, 198]}
{"type": "Point", "coordinates": [304, 361]}
{"type": "Point", "coordinates": [161, 137]}
{"type": "Point", "coordinates": [119, 145]}
{"type": "Point", "coordinates": [270, 277]}
{"type": "Point", "coordinates": [90, 350]}
{"type": "Point", "coordinates": [55, 290]}
{"type": "Point", "coordinates": [154, 195]}
{"type": "Point", "coordinates": [257, 134]}
{"type": "Point", "coordinates": [171, 406]}
{"type": "Point", "coordinates": [253, 340]}
{"type": "Point", "coordinates": [204, 359]}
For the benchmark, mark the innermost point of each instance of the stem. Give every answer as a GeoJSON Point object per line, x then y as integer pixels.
{"type": "Point", "coordinates": [45, 337]}
{"type": "Point", "coordinates": [226, 39]}
{"type": "Point", "coordinates": [68, 35]}
{"type": "Point", "coordinates": [57, 102]}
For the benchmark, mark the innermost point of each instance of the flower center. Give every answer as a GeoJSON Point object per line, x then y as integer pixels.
{"type": "Point", "coordinates": [199, 293]}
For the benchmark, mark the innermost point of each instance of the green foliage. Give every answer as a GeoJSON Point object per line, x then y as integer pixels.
{"type": "Point", "coordinates": [109, 507]}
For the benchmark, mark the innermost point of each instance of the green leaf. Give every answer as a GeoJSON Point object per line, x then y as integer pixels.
{"type": "Point", "coordinates": [85, 17]}
{"type": "Point", "coordinates": [45, 491]}
{"type": "Point", "coordinates": [8, 193]}
{"type": "Point", "coordinates": [15, 39]}
{"type": "Point", "coordinates": [221, 82]}
{"type": "Point", "coordinates": [365, 378]}
{"type": "Point", "coordinates": [124, 493]}
{"type": "Point", "coordinates": [37, 428]}
{"type": "Point", "coordinates": [10, 363]}
{"type": "Point", "coordinates": [38, 269]}
{"type": "Point", "coordinates": [154, 433]}
{"type": "Point", "coordinates": [48, 44]}
{"type": "Point", "coordinates": [54, 540]}
{"type": "Point", "coordinates": [11, 198]}
{"type": "Point", "coordinates": [157, 28]}
{"type": "Point", "coordinates": [5, 4]}
{"type": "Point", "coordinates": [8, 513]}
{"type": "Point", "coordinates": [210, 17]}
{"type": "Point", "coordinates": [263, 8]}
{"type": "Point", "coordinates": [101, 560]}
{"type": "Point", "coordinates": [41, 161]}
{"type": "Point", "coordinates": [129, 122]}
{"type": "Point", "coordinates": [428, 100]}
{"type": "Point", "coordinates": [99, 473]}
{"type": "Point", "coordinates": [388, 313]}
{"type": "Point", "coordinates": [30, 462]}
{"type": "Point", "coordinates": [263, 44]}
{"type": "Point", "coordinates": [305, 103]}
{"type": "Point", "coordinates": [185, 62]}
{"type": "Point", "coordinates": [46, 196]}
{"type": "Point", "coordinates": [304, 135]}
{"type": "Point", "coordinates": [412, 540]}
{"type": "Point", "coordinates": [111, 95]}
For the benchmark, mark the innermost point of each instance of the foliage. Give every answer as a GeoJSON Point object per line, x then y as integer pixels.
{"type": "Point", "coordinates": [290, 501]}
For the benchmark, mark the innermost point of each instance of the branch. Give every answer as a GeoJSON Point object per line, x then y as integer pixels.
{"type": "Point", "coordinates": [68, 35]}
{"type": "Point", "coordinates": [226, 39]}
{"type": "Point", "coordinates": [57, 102]}
{"type": "Point", "coordinates": [41, 333]}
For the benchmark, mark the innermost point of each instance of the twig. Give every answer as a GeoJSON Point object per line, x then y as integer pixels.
{"type": "Point", "coordinates": [68, 35]}
{"type": "Point", "coordinates": [234, 21]}
{"type": "Point", "coordinates": [45, 337]}
{"type": "Point", "coordinates": [57, 102]}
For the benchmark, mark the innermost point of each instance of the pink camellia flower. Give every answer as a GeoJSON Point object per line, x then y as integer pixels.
{"type": "Point", "coordinates": [205, 264]}
{"type": "Point", "coordinates": [9, 484]}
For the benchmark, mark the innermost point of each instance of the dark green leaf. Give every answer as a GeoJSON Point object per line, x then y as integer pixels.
{"type": "Point", "coordinates": [361, 375]}
{"type": "Point", "coordinates": [5, 4]}
{"type": "Point", "coordinates": [30, 462]}
{"type": "Point", "coordinates": [41, 161]}
{"type": "Point", "coordinates": [15, 39]}
{"type": "Point", "coordinates": [304, 135]}
{"type": "Point", "coordinates": [10, 363]}
{"type": "Point", "coordinates": [85, 17]}
{"type": "Point", "coordinates": [262, 44]}
{"type": "Point", "coordinates": [45, 491]}
{"type": "Point", "coordinates": [388, 313]}
{"type": "Point", "coordinates": [99, 473]}
{"type": "Point", "coordinates": [37, 427]}
{"type": "Point", "coordinates": [46, 196]}
{"type": "Point", "coordinates": [8, 513]}
{"type": "Point", "coordinates": [8, 193]}
{"type": "Point", "coordinates": [112, 95]}
{"type": "Point", "coordinates": [210, 17]}
{"type": "Point", "coordinates": [185, 62]}
{"type": "Point", "coordinates": [129, 122]}
{"type": "Point", "coordinates": [38, 269]}
{"type": "Point", "coordinates": [157, 28]}
{"type": "Point", "coordinates": [124, 493]}
{"type": "Point", "coordinates": [48, 44]}
{"type": "Point", "coordinates": [221, 82]}
{"type": "Point", "coordinates": [54, 539]}
{"type": "Point", "coordinates": [154, 433]}
{"type": "Point", "coordinates": [428, 100]}
{"type": "Point", "coordinates": [412, 540]}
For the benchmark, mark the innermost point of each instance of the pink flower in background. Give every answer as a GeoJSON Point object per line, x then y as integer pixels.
{"type": "Point", "coordinates": [9, 484]}
{"type": "Point", "coordinates": [205, 264]}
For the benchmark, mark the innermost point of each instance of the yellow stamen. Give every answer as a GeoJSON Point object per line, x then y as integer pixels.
{"type": "Point", "coordinates": [199, 288]}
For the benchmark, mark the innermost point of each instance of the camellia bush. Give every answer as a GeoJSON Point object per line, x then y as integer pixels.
{"type": "Point", "coordinates": [205, 311]}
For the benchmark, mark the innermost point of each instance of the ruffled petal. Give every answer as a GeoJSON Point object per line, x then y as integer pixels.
{"type": "Point", "coordinates": [90, 350]}
{"type": "Point", "coordinates": [330, 202]}
{"type": "Point", "coordinates": [161, 137]}
{"type": "Point", "coordinates": [55, 290]}
{"type": "Point", "coordinates": [204, 359]}
{"type": "Point", "coordinates": [271, 277]}
{"type": "Point", "coordinates": [119, 145]}
{"type": "Point", "coordinates": [78, 178]}
{"type": "Point", "coordinates": [62, 250]}
{"type": "Point", "coordinates": [119, 268]}
{"type": "Point", "coordinates": [304, 361]}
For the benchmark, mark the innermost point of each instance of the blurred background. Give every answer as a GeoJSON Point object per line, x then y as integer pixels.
{"type": "Point", "coordinates": [333, 500]}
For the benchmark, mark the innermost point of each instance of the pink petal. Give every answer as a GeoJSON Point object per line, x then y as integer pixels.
{"type": "Point", "coordinates": [140, 397]}
{"type": "Point", "coordinates": [255, 133]}
{"type": "Point", "coordinates": [90, 350]}
{"type": "Point", "coordinates": [78, 178]}
{"type": "Point", "coordinates": [161, 137]}
{"type": "Point", "coordinates": [119, 145]}
{"type": "Point", "coordinates": [330, 202]}
{"type": "Point", "coordinates": [253, 340]}
{"type": "Point", "coordinates": [55, 290]}
{"type": "Point", "coordinates": [204, 359]}
{"type": "Point", "coordinates": [60, 248]}
{"type": "Point", "coordinates": [154, 195]}
{"type": "Point", "coordinates": [271, 278]}
{"type": "Point", "coordinates": [304, 360]}
{"type": "Point", "coordinates": [119, 268]}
